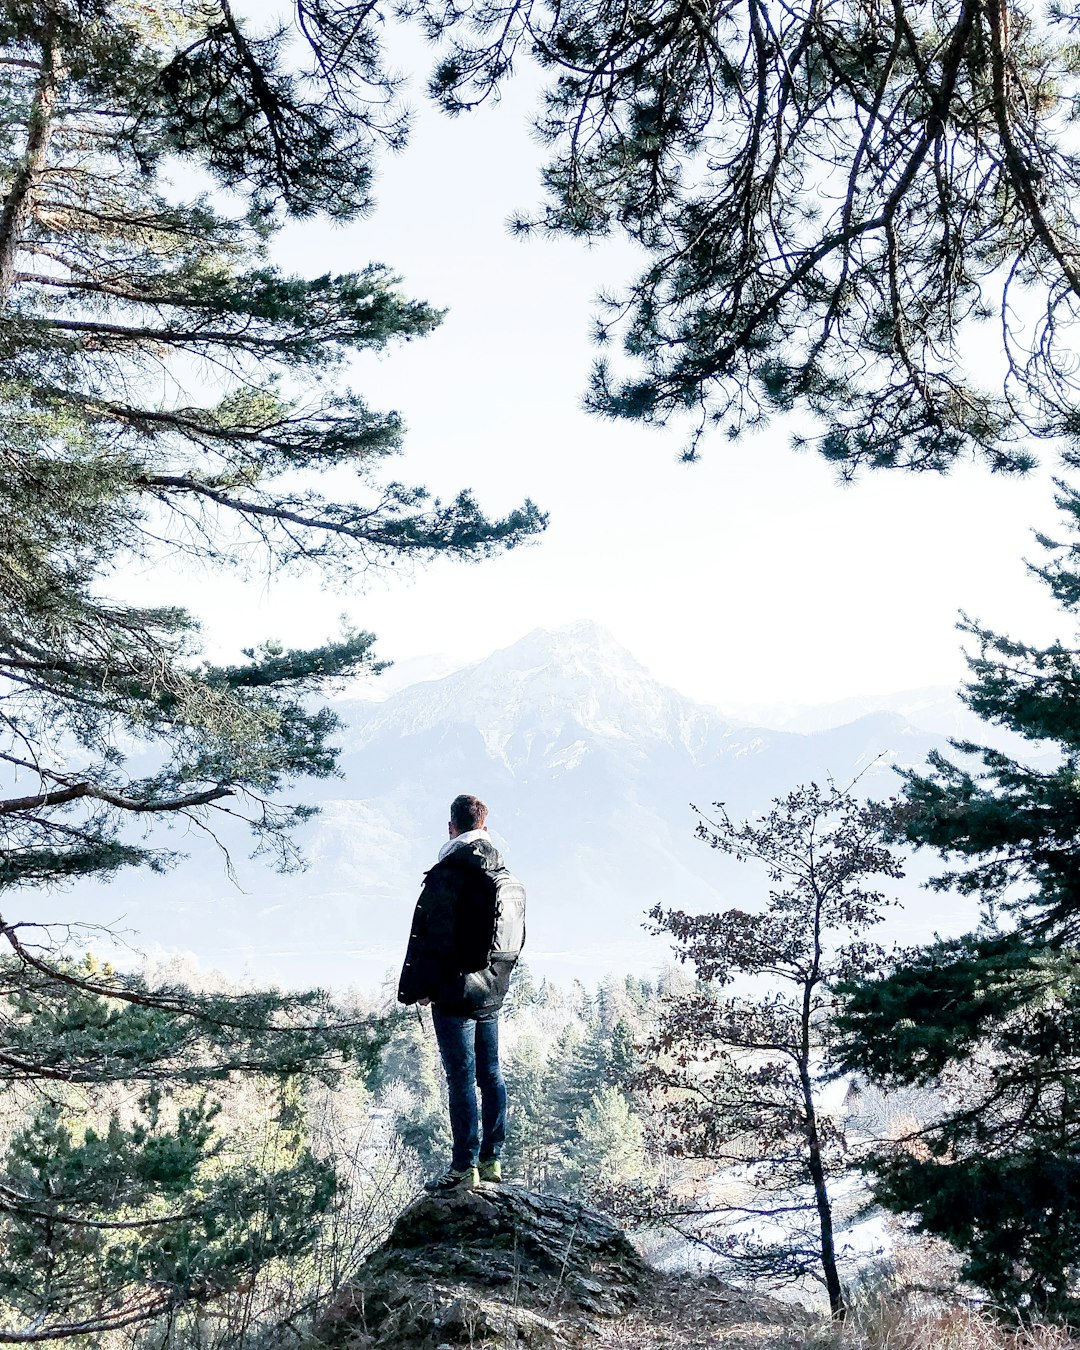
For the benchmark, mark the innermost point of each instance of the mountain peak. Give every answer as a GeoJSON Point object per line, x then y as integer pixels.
{"type": "Point", "coordinates": [581, 645]}
{"type": "Point", "coordinates": [552, 685]}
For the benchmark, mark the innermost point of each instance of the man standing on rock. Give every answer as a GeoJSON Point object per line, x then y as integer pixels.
{"type": "Point", "coordinates": [467, 933]}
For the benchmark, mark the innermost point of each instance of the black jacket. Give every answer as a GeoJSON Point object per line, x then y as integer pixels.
{"type": "Point", "coordinates": [467, 933]}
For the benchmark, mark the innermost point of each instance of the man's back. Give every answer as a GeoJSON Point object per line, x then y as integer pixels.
{"type": "Point", "coordinates": [468, 932]}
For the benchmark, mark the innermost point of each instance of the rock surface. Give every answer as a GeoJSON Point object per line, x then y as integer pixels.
{"type": "Point", "coordinates": [492, 1267]}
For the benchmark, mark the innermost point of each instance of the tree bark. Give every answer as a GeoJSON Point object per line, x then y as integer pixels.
{"type": "Point", "coordinates": [18, 201]}
{"type": "Point", "coordinates": [837, 1305]}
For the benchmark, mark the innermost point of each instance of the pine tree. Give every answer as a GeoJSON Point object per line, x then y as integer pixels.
{"type": "Point", "coordinates": [120, 1199]}
{"type": "Point", "coordinates": [829, 197]}
{"type": "Point", "coordinates": [623, 1062]}
{"type": "Point", "coordinates": [531, 1136]}
{"type": "Point", "coordinates": [106, 285]}
{"type": "Point", "coordinates": [143, 1215]}
{"type": "Point", "coordinates": [640, 993]}
{"type": "Point", "coordinates": [167, 391]}
{"type": "Point", "coordinates": [409, 1068]}
{"type": "Point", "coordinates": [579, 1068]}
{"type": "Point", "coordinates": [522, 993]}
{"type": "Point", "coordinates": [549, 995]}
{"type": "Point", "coordinates": [991, 1020]}
{"type": "Point", "coordinates": [740, 1075]}
{"type": "Point", "coordinates": [608, 1146]}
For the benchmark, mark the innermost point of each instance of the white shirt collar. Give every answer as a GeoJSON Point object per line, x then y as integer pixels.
{"type": "Point", "coordinates": [467, 838]}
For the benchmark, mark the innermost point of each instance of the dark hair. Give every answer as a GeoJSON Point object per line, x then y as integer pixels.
{"type": "Point", "coordinates": [467, 813]}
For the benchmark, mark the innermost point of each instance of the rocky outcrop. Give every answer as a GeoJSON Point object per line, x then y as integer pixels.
{"type": "Point", "coordinates": [497, 1266]}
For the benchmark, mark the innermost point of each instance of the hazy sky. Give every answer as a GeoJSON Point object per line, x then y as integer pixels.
{"type": "Point", "coordinates": [751, 578]}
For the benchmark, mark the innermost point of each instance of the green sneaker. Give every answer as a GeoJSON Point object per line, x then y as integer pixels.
{"type": "Point", "coordinates": [490, 1170]}
{"type": "Point", "coordinates": [452, 1181]}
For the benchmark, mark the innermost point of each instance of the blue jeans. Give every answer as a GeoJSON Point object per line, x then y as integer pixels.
{"type": "Point", "coordinates": [469, 1047]}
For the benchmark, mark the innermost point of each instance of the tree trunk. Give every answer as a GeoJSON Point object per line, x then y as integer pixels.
{"type": "Point", "coordinates": [821, 1195]}
{"type": "Point", "coordinates": [813, 1141]}
{"type": "Point", "coordinates": [19, 198]}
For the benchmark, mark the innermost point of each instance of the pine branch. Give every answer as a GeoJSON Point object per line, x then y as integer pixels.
{"type": "Point", "coordinates": [77, 791]}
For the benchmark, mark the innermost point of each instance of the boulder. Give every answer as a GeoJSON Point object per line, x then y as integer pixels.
{"type": "Point", "coordinates": [496, 1266]}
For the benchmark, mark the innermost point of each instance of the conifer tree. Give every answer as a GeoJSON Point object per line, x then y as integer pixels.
{"type": "Point", "coordinates": [522, 993]}
{"type": "Point", "coordinates": [991, 1020]}
{"type": "Point", "coordinates": [740, 1074]}
{"type": "Point", "coordinates": [168, 391]}
{"type": "Point", "coordinates": [622, 1062]}
{"type": "Point", "coordinates": [579, 1068]}
{"type": "Point", "coordinates": [409, 1064]}
{"type": "Point", "coordinates": [831, 198]}
{"type": "Point", "coordinates": [107, 286]}
{"type": "Point", "coordinates": [532, 1130]}
{"type": "Point", "coordinates": [608, 1146]}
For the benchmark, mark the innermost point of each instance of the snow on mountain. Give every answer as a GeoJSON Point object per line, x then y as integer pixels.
{"type": "Point", "coordinates": [589, 766]}
{"type": "Point", "coordinates": [532, 692]}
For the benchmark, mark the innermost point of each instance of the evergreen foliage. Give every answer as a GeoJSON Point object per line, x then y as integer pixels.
{"type": "Point", "coordinates": [831, 199]}
{"type": "Point", "coordinates": [119, 1201]}
{"type": "Point", "coordinates": [535, 1127]}
{"type": "Point", "coordinates": [523, 992]}
{"type": "Point", "coordinates": [609, 1145]}
{"type": "Point", "coordinates": [741, 1073]}
{"type": "Point", "coordinates": [136, 1220]}
{"type": "Point", "coordinates": [596, 1136]}
{"type": "Point", "coordinates": [410, 1077]}
{"type": "Point", "coordinates": [580, 1065]}
{"type": "Point", "coordinates": [106, 286]}
{"type": "Point", "coordinates": [167, 390]}
{"type": "Point", "coordinates": [992, 1019]}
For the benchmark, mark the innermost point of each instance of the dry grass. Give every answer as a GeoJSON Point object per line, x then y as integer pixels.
{"type": "Point", "coordinates": [705, 1314]}
{"type": "Point", "coordinates": [892, 1323]}
{"type": "Point", "coordinates": [702, 1313]}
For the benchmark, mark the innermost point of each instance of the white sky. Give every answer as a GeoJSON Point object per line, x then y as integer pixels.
{"type": "Point", "coordinates": [749, 579]}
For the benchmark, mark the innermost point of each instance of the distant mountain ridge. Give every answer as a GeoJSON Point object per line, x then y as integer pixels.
{"type": "Point", "coordinates": [935, 708]}
{"type": "Point", "coordinates": [577, 677]}
{"type": "Point", "coordinates": [589, 766]}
